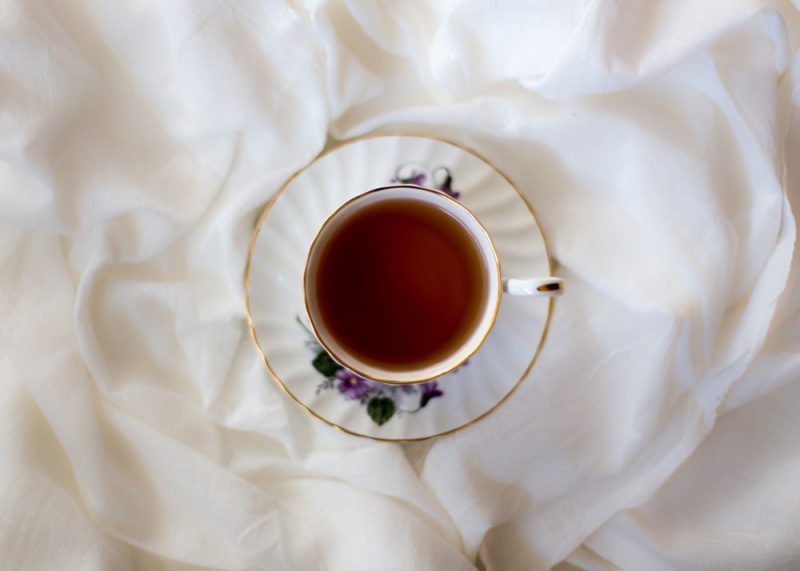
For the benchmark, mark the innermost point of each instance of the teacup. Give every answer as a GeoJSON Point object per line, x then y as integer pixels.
{"type": "Point", "coordinates": [403, 284]}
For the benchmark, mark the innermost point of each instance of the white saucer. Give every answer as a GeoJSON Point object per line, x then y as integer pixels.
{"type": "Point", "coordinates": [274, 292]}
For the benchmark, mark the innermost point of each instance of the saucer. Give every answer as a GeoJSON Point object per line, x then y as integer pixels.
{"type": "Point", "coordinates": [274, 290]}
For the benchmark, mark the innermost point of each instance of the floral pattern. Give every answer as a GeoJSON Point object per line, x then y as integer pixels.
{"type": "Point", "coordinates": [440, 178]}
{"type": "Point", "coordinates": [383, 401]}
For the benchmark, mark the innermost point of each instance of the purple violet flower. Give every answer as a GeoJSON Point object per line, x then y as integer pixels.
{"type": "Point", "coordinates": [351, 385]}
{"type": "Point", "coordinates": [417, 178]}
{"type": "Point", "coordinates": [430, 390]}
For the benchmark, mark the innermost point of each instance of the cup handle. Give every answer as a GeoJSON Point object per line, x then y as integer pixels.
{"type": "Point", "coordinates": [545, 287]}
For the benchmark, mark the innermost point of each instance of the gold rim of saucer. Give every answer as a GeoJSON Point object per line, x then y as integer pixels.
{"type": "Point", "coordinates": [472, 349]}
{"type": "Point", "coordinates": [251, 326]}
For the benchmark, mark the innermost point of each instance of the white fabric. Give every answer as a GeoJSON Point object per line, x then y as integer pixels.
{"type": "Point", "coordinates": [660, 143]}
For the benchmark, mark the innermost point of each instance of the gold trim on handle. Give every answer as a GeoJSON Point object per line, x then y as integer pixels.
{"type": "Point", "coordinates": [555, 286]}
{"type": "Point", "coordinates": [251, 325]}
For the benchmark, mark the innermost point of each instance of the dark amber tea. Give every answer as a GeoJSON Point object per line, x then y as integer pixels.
{"type": "Point", "coordinates": [400, 284]}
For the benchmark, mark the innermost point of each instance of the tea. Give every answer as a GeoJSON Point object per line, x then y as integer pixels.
{"type": "Point", "coordinates": [400, 284]}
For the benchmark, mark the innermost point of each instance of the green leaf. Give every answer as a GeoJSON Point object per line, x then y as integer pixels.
{"type": "Point", "coordinates": [380, 409]}
{"type": "Point", "coordinates": [325, 364]}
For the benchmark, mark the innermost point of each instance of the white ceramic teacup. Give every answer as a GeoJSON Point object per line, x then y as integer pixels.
{"type": "Point", "coordinates": [496, 284]}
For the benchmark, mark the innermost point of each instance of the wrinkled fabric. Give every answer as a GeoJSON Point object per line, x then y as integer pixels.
{"type": "Point", "coordinates": [660, 145]}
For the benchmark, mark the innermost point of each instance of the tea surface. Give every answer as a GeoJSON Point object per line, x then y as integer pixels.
{"type": "Point", "coordinates": [400, 284]}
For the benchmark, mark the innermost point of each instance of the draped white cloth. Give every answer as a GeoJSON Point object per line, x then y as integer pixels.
{"type": "Point", "coordinates": [660, 144]}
